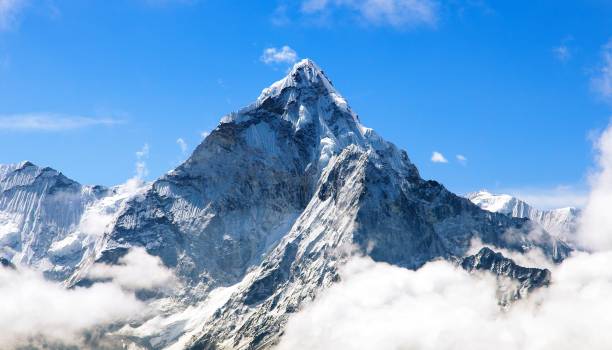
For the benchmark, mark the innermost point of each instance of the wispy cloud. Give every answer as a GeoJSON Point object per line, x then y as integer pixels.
{"type": "Point", "coordinates": [562, 53]}
{"type": "Point", "coordinates": [182, 144]}
{"type": "Point", "coordinates": [280, 16]}
{"type": "Point", "coordinates": [141, 165]}
{"type": "Point", "coordinates": [438, 157]}
{"type": "Point", "coordinates": [550, 198]}
{"type": "Point", "coordinates": [602, 81]}
{"type": "Point", "coordinates": [9, 9]}
{"type": "Point", "coordinates": [284, 54]}
{"type": "Point", "coordinates": [52, 122]}
{"type": "Point", "coordinates": [461, 159]}
{"type": "Point", "coordinates": [169, 2]}
{"type": "Point", "coordinates": [396, 13]}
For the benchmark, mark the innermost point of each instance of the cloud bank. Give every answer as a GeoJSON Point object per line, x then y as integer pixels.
{"type": "Point", "coordinates": [33, 309]}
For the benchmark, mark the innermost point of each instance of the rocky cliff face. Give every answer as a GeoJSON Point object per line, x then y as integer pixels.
{"type": "Point", "coordinates": [260, 217]}
{"type": "Point", "coordinates": [521, 280]}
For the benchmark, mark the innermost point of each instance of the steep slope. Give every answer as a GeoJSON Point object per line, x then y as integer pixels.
{"type": "Point", "coordinates": [559, 222]}
{"type": "Point", "coordinates": [39, 207]}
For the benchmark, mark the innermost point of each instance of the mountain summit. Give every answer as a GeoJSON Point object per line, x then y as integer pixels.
{"type": "Point", "coordinates": [274, 201]}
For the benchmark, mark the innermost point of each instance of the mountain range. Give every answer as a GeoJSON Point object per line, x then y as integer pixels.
{"type": "Point", "coordinates": [561, 222]}
{"type": "Point", "coordinates": [260, 218]}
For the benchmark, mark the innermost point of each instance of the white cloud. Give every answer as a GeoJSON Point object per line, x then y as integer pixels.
{"type": "Point", "coordinates": [141, 165]}
{"type": "Point", "coordinates": [34, 309]}
{"type": "Point", "coordinates": [562, 53]}
{"type": "Point", "coordinates": [204, 134]}
{"type": "Point", "coordinates": [135, 270]}
{"type": "Point", "coordinates": [9, 9]}
{"type": "Point", "coordinates": [441, 307]}
{"type": "Point", "coordinates": [461, 159]}
{"type": "Point", "coordinates": [602, 82]}
{"type": "Point", "coordinates": [438, 157]}
{"type": "Point", "coordinates": [182, 144]}
{"type": "Point", "coordinates": [596, 220]}
{"type": "Point", "coordinates": [397, 13]}
{"type": "Point", "coordinates": [51, 122]}
{"type": "Point", "coordinates": [282, 55]}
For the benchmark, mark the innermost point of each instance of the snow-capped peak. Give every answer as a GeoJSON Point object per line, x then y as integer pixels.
{"type": "Point", "coordinates": [560, 222]}
{"type": "Point", "coordinates": [306, 73]}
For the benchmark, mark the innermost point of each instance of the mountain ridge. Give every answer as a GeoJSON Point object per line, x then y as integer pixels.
{"type": "Point", "coordinates": [269, 206]}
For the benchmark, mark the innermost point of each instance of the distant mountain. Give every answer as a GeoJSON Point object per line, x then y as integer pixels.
{"type": "Point", "coordinates": [40, 207]}
{"type": "Point", "coordinates": [528, 278]}
{"type": "Point", "coordinates": [559, 222]}
{"type": "Point", "coordinates": [262, 215]}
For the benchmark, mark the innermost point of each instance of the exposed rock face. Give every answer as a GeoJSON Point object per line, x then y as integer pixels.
{"type": "Point", "coordinates": [274, 200]}
{"type": "Point", "coordinates": [528, 279]}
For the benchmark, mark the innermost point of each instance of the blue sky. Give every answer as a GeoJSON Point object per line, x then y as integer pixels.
{"type": "Point", "coordinates": [517, 88]}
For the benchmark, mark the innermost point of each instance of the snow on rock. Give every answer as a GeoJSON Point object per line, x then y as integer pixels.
{"type": "Point", "coordinates": [559, 222]}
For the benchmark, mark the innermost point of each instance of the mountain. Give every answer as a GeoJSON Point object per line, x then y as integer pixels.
{"type": "Point", "coordinates": [559, 222]}
{"type": "Point", "coordinates": [259, 219]}
{"type": "Point", "coordinates": [39, 208]}
{"type": "Point", "coordinates": [527, 279]}
{"type": "Point", "coordinates": [281, 194]}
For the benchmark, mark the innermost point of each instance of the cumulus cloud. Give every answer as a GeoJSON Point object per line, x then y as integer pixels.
{"type": "Point", "coordinates": [135, 270]}
{"type": "Point", "coordinates": [602, 81]}
{"type": "Point", "coordinates": [396, 13]}
{"type": "Point", "coordinates": [34, 309]}
{"type": "Point", "coordinates": [9, 9]}
{"type": "Point", "coordinates": [596, 221]}
{"type": "Point", "coordinates": [438, 157]}
{"type": "Point", "coordinates": [51, 122]}
{"type": "Point", "coordinates": [283, 55]}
